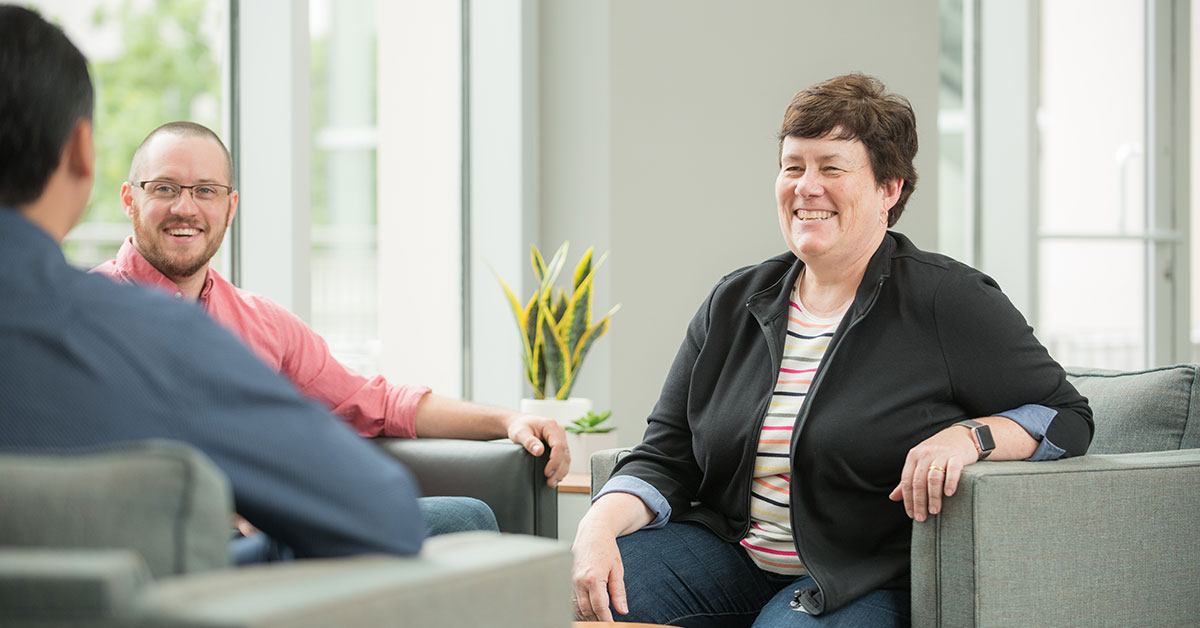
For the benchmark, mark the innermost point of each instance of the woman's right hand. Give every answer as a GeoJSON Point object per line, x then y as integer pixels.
{"type": "Point", "coordinates": [599, 574]}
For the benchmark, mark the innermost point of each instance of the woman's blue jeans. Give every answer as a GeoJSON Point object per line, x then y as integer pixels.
{"type": "Point", "coordinates": [443, 515]}
{"type": "Point", "coordinates": [684, 575]}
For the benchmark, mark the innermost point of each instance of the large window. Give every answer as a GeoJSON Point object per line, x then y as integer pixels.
{"type": "Point", "coordinates": [344, 267]}
{"type": "Point", "coordinates": [1093, 218]}
{"type": "Point", "coordinates": [151, 63]}
{"type": "Point", "coordinates": [1064, 169]}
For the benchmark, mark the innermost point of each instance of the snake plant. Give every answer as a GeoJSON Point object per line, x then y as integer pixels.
{"type": "Point", "coordinates": [557, 329]}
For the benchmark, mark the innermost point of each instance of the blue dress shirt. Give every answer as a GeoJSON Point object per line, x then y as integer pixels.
{"type": "Point", "coordinates": [85, 361]}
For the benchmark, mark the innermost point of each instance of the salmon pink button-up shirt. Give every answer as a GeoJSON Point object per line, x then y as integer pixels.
{"type": "Point", "coordinates": [371, 406]}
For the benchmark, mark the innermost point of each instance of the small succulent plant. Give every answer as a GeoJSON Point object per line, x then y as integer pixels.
{"type": "Point", "coordinates": [590, 424]}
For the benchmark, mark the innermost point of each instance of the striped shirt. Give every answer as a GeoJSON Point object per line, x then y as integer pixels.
{"type": "Point", "coordinates": [769, 541]}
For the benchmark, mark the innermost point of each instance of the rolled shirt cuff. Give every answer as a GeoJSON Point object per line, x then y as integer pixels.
{"type": "Point", "coordinates": [1035, 420]}
{"type": "Point", "coordinates": [642, 490]}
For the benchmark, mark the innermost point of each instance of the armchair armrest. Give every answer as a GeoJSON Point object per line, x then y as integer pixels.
{"type": "Point", "coordinates": [475, 579]}
{"type": "Point", "coordinates": [1095, 540]}
{"type": "Point", "coordinates": [39, 584]}
{"type": "Point", "coordinates": [602, 463]}
{"type": "Point", "coordinates": [502, 474]}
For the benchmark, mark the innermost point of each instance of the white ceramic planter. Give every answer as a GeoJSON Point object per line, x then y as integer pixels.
{"type": "Point", "coordinates": [582, 446]}
{"type": "Point", "coordinates": [562, 410]}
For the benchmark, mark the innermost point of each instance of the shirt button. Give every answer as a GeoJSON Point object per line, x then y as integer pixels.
{"type": "Point", "coordinates": [178, 295]}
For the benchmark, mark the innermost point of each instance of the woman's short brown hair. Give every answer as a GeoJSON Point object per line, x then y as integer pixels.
{"type": "Point", "coordinates": [859, 107]}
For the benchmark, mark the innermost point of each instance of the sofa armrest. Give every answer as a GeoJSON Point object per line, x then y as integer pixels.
{"type": "Point", "coordinates": [1094, 540]}
{"type": "Point", "coordinates": [502, 474]}
{"type": "Point", "coordinates": [61, 586]}
{"type": "Point", "coordinates": [602, 463]}
{"type": "Point", "coordinates": [476, 579]}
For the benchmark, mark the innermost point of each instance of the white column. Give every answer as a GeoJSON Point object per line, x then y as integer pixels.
{"type": "Point", "coordinates": [419, 201]}
{"type": "Point", "coordinates": [503, 189]}
{"type": "Point", "coordinates": [273, 158]}
{"type": "Point", "coordinates": [1008, 160]}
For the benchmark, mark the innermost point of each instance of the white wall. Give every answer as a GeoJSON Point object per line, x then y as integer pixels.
{"type": "Point", "coordinates": [657, 142]}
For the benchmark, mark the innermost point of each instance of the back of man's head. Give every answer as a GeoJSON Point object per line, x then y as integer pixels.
{"type": "Point", "coordinates": [45, 90]}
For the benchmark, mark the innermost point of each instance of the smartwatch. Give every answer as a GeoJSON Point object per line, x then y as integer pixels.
{"type": "Point", "coordinates": [982, 435]}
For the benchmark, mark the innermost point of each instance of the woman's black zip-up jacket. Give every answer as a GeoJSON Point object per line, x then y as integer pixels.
{"type": "Point", "coordinates": [928, 341]}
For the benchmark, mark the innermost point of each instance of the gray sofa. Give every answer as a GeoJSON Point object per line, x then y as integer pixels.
{"type": "Point", "coordinates": [136, 535]}
{"type": "Point", "coordinates": [1106, 539]}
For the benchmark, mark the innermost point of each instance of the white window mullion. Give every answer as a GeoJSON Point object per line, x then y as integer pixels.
{"type": "Point", "coordinates": [273, 151]}
{"type": "Point", "coordinates": [1168, 26]}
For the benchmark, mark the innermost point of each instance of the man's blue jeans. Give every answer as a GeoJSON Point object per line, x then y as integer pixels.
{"type": "Point", "coordinates": [443, 515]}
{"type": "Point", "coordinates": [684, 575]}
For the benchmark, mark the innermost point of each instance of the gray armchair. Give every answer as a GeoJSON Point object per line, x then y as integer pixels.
{"type": "Point", "coordinates": [1106, 539]}
{"type": "Point", "coordinates": [501, 474]}
{"type": "Point", "coordinates": [137, 535]}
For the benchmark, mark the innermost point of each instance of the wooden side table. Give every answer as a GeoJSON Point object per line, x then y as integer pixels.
{"type": "Point", "coordinates": [576, 483]}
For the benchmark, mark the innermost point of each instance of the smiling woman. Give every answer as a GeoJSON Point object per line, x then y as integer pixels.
{"type": "Point", "coordinates": [784, 475]}
{"type": "Point", "coordinates": [833, 214]}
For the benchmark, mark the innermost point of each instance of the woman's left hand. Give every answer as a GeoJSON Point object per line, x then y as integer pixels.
{"type": "Point", "coordinates": [932, 469]}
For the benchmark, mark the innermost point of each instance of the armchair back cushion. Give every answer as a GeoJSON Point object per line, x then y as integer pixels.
{"type": "Point", "coordinates": [1136, 411]}
{"type": "Point", "coordinates": [163, 499]}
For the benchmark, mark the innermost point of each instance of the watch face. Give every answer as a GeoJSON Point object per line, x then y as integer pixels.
{"type": "Point", "coordinates": [984, 435]}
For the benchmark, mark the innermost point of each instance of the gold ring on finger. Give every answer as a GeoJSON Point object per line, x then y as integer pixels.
{"type": "Point", "coordinates": [934, 467]}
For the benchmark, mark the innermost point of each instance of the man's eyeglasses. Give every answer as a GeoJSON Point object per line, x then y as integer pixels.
{"type": "Point", "coordinates": [201, 192]}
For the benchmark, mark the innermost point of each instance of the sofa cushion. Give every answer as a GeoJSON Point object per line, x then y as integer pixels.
{"type": "Point", "coordinates": [165, 500]}
{"type": "Point", "coordinates": [1136, 411]}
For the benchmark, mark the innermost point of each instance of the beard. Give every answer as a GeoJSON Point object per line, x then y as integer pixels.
{"type": "Point", "coordinates": [151, 240]}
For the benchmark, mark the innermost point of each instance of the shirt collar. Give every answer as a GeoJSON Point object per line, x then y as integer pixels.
{"type": "Point", "coordinates": [132, 264]}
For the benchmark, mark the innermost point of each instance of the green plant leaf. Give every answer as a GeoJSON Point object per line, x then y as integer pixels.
{"type": "Point", "coordinates": [537, 362]}
{"type": "Point", "coordinates": [550, 271]}
{"type": "Point", "coordinates": [593, 333]}
{"type": "Point", "coordinates": [589, 423]}
{"type": "Point", "coordinates": [584, 268]}
{"type": "Point", "coordinates": [578, 315]}
{"type": "Point", "coordinates": [557, 356]}
{"type": "Point", "coordinates": [538, 263]}
{"type": "Point", "coordinates": [560, 307]}
{"type": "Point", "coordinates": [528, 355]}
{"type": "Point", "coordinates": [545, 363]}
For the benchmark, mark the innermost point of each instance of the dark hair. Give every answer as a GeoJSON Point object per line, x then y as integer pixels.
{"type": "Point", "coordinates": [859, 107]}
{"type": "Point", "coordinates": [185, 129]}
{"type": "Point", "coordinates": [45, 90]}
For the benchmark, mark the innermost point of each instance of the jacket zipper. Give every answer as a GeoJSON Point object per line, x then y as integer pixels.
{"type": "Point", "coordinates": [800, 595]}
{"type": "Point", "coordinates": [777, 361]}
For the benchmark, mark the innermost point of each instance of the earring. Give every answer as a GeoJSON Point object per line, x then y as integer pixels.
{"type": "Point", "coordinates": [883, 216]}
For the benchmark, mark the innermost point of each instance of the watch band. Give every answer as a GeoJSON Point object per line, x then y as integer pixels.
{"type": "Point", "coordinates": [982, 435]}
